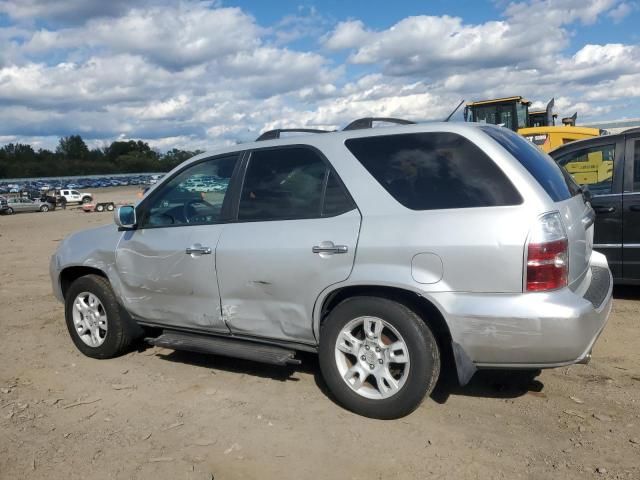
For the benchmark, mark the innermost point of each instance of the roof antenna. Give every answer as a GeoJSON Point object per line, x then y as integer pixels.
{"type": "Point", "coordinates": [454, 110]}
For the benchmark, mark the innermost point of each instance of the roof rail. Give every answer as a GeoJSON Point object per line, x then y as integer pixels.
{"type": "Point", "coordinates": [367, 122]}
{"type": "Point", "coordinates": [274, 134]}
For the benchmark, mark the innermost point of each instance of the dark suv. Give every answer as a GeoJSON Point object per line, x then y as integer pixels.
{"type": "Point", "coordinates": [610, 166]}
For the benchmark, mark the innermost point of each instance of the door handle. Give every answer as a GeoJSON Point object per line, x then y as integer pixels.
{"type": "Point", "coordinates": [635, 208]}
{"type": "Point", "coordinates": [604, 209]}
{"type": "Point", "coordinates": [330, 248]}
{"type": "Point", "coordinates": [198, 249]}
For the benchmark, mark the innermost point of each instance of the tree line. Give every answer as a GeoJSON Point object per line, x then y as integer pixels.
{"type": "Point", "coordinates": [73, 157]}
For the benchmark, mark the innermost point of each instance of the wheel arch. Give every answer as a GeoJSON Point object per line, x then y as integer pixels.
{"type": "Point", "coordinates": [72, 273]}
{"type": "Point", "coordinates": [452, 354]}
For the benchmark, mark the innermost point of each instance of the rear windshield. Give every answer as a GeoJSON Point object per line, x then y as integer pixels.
{"type": "Point", "coordinates": [434, 170]}
{"type": "Point", "coordinates": [557, 183]}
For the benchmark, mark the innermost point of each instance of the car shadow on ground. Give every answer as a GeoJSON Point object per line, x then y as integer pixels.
{"type": "Point", "coordinates": [485, 383]}
{"type": "Point", "coordinates": [309, 365]}
{"type": "Point", "coordinates": [488, 384]}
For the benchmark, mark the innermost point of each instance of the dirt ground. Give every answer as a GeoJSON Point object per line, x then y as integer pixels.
{"type": "Point", "coordinates": [155, 413]}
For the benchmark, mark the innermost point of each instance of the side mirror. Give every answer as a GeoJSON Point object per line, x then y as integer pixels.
{"type": "Point", "coordinates": [125, 217]}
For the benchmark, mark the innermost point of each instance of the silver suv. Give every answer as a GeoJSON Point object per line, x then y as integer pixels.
{"type": "Point", "coordinates": [391, 252]}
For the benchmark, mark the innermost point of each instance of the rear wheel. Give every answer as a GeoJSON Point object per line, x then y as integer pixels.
{"type": "Point", "coordinates": [86, 199]}
{"type": "Point", "coordinates": [98, 325]}
{"type": "Point", "coordinates": [44, 208]}
{"type": "Point", "coordinates": [100, 208]}
{"type": "Point", "coordinates": [110, 207]}
{"type": "Point", "coordinates": [378, 357]}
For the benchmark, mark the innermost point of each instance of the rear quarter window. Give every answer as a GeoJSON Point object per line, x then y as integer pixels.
{"type": "Point", "coordinates": [555, 181]}
{"type": "Point", "coordinates": [434, 170]}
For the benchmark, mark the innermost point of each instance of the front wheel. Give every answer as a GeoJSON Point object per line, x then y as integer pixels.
{"type": "Point", "coordinates": [378, 357]}
{"type": "Point", "coordinates": [96, 322]}
{"type": "Point", "coordinates": [9, 211]}
{"type": "Point", "coordinates": [44, 208]}
{"type": "Point", "coordinates": [100, 208]}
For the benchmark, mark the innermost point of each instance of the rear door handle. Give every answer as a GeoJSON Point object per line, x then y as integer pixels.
{"type": "Point", "coordinates": [198, 249]}
{"type": "Point", "coordinates": [330, 248]}
{"type": "Point", "coordinates": [604, 209]}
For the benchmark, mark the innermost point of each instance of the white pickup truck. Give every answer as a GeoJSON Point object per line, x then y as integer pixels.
{"type": "Point", "coordinates": [73, 196]}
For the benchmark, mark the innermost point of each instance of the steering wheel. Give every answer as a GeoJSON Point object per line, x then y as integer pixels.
{"type": "Point", "coordinates": [188, 208]}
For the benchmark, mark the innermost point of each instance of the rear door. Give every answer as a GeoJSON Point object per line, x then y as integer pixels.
{"type": "Point", "coordinates": [599, 164]}
{"type": "Point", "coordinates": [296, 233]}
{"type": "Point", "coordinates": [631, 210]}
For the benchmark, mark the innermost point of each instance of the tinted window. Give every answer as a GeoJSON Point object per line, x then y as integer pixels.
{"type": "Point", "coordinates": [540, 166]}
{"type": "Point", "coordinates": [591, 166]}
{"type": "Point", "coordinates": [425, 171]}
{"type": "Point", "coordinates": [636, 166]}
{"type": "Point", "coordinates": [283, 183]}
{"type": "Point", "coordinates": [336, 199]}
{"type": "Point", "coordinates": [193, 197]}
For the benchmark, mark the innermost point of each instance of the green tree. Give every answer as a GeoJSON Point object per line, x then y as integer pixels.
{"type": "Point", "coordinates": [73, 148]}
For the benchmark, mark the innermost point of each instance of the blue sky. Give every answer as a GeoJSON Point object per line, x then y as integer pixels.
{"type": "Point", "coordinates": [197, 74]}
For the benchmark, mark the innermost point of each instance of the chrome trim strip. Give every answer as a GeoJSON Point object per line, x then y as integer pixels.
{"type": "Point", "coordinates": [616, 245]}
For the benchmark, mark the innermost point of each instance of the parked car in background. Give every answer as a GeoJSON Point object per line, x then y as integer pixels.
{"type": "Point", "coordinates": [25, 204]}
{"type": "Point", "coordinates": [610, 167]}
{"type": "Point", "coordinates": [391, 252]}
{"type": "Point", "coordinates": [73, 196]}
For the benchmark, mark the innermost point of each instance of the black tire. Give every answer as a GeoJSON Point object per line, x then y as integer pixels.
{"type": "Point", "coordinates": [121, 331]}
{"type": "Point", "coordinates": [44, 208]}
{"type": "Point", "coordinates": [86, 199]}
{"type": "Point", "coordinates": [110, 207]}
{"type": "Point", "coordinates": [421, 345]}
{"type": "Point", "coordinates": [9, 211]}
{"type": "Point", "coordinates": [100, 208]}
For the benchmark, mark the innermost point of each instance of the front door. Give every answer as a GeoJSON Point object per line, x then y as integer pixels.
{"type": "Point", "coordinates": [631, 212]}
{"type": "Point", "coordinates": [296, 234]}
{"type": "Point", "coordinates": [600, 166]}
{"type": "Point", "coordinates": [167, 264]}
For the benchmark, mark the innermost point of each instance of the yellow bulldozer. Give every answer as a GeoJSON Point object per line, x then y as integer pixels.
{"type": "Point", "coordinates": [537, 126]}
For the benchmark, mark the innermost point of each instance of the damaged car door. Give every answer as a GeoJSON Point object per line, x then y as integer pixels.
{"type": "Point", "coordinates": [167, 263]}
{"type": "Point", "coordinates": [296, 233]}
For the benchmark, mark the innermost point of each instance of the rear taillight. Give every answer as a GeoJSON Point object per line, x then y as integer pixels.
{"type": "Point", "coordinates": [547, 255]}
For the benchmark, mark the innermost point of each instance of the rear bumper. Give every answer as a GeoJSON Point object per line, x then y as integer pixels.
{"type": "Point", "coordinates": [532, 330]}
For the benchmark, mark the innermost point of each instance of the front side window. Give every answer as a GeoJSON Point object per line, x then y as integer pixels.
{"type": "Point", "coordinates": [591, 166]}
{"type": "Point", "coordinates": [434, 170]}
{"type": "Point", "coordinates": [193, 197]}
{"type": "Point", "coordinates": [285, 183]}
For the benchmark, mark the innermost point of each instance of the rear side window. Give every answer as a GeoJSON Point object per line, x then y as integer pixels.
{"type": "Point", "coordinates": [434, 170]}
{"type": "Point", "coordinates": [290, 183]}
{"type": "Point", "coordinates": [550, 176]}
{"type": "Point", "coordinates": [336, 200]}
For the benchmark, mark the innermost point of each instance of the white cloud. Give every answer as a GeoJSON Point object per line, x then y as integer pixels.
{"type": "Point", "coordinates": [71, 11]}
{"type": "Point", "coordinates": [559, 12]}
{"type": "Point", "coordinates": [621, 11]}
{"type": "Point", "coordinates": [348, 34]}
{"type": "Point", "coordinates": [196, 75]}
